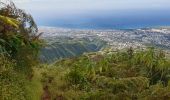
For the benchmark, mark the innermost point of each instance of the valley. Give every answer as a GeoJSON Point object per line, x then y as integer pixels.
{"type": "Point", "coordinates": [66, 43]}
{"type": "Point", "coordinates": [104, 63]}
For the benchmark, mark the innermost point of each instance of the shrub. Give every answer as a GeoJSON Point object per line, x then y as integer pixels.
{"type": "Point", "coordinates": [12, 84]}
{"type": "Point", "coordinates": [77, 77]}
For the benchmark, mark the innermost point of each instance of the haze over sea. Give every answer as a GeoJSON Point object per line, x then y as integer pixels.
{"type": "Point", "coordinates": [112, 20]}
{"type": "Point", "coordinates": [99, 14]}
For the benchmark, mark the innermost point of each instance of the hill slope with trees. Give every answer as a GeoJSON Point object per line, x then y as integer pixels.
{"type": "Point", "coordinates": [65, 47]}
{"type": "Point", "coordinates": [105, 75]}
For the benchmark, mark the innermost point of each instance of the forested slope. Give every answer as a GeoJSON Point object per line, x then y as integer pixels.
{"type": "Point", "coordinates": [65, 47]}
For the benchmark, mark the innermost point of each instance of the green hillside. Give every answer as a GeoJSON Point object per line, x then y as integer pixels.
{"type": "Point", "coordinates": [65, 47]}
{"type": "Point", "coordinates": [105, 75]}
{"type": "Point", "coordinates": [121, 75]}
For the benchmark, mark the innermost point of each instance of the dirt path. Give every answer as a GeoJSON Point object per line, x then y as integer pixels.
{"type": "Point", "coordinates": [46, 94]}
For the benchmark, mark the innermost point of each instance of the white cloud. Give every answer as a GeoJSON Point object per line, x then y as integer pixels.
{"type": "Point", "coordinates": [93, 4]}
{"type": "Point", "coordinates": [22, 1]}
{"type": "Point", "coordinates": [69, 6]}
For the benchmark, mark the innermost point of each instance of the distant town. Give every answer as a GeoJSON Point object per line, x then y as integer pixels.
{"type": "Point", "coordinates": [118, 39]}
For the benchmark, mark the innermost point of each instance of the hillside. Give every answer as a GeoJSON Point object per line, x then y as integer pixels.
{"type": "Point", "coordinates": [120, 75]}
{"type": "Point", "coordinates": [19, 47]}
{"type": "Point", "coordinates": [80, 64]}
{"type": "Point", "coordinates": [66, 43]}
{"type": "Point", "coordinates": [66, 47]}
{"type": "Point", "coordinates": [118, 39]}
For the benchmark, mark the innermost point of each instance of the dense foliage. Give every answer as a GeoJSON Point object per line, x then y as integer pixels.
{"type": "Point", "coordinates": [19, 47]}
{"type": "Point", "coordinates": [65, 47]}
{"type": "Point", "coordinates": [18, 39]}
{"type": "Point", "coordinates": [125, 75]}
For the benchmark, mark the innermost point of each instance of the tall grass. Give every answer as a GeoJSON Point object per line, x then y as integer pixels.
{"type": "Point", "coordinates": [138, 74]}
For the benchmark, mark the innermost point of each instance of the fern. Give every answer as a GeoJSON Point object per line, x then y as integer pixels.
{"type": "Point", "coordinates": [9, 21]}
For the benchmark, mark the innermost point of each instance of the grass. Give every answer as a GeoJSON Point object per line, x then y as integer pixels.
{"type": "Point", "coordinates": [119, 75]}
{"type": "Point", "coordinates": [35, 87]}
{"type": "Point", "coordinates": [124, 75]}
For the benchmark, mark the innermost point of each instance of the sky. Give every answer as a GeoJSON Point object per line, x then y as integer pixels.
{"type": "Point", "coordinates": [60, 6]}
{"type": "Point", "coordinates": [47, 12]}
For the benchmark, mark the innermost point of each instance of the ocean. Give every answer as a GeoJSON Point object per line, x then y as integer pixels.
{"type": "Point", "coordinates": [126, 19]}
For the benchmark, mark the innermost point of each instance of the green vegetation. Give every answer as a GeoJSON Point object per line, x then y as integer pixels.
{"type": "Point", "coordinates": [121, 75]}
{"type": "Point", "coordinates": [19, 47]}
{"type": "Point", "coordinates": [65, 47]}
{"type": "Point", "coordinates": [105, 75]}
{"type": "Point", "coordinates": [15, 86]}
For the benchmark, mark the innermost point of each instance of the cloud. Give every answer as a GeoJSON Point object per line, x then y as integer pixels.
{"type": "Point", "coordinates": [22, 1]}
{"type": "Point", "coordinates": [83, 6]}
{"type": "Point", "coordinates": [93, 4]}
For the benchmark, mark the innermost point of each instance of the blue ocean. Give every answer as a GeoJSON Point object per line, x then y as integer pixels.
{"type": "Point", "coordinates": [126, 19]}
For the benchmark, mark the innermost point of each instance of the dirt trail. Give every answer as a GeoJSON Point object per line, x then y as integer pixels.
{"type": "Point", "coordinates": [46, 94]}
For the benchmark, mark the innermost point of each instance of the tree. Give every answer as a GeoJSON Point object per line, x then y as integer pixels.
{"type": "Point", "coordinates": [19, 40]}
